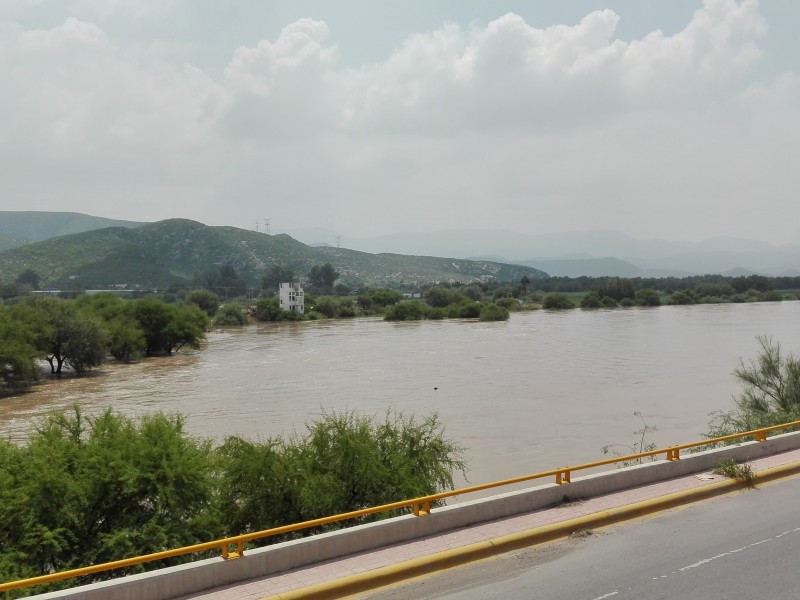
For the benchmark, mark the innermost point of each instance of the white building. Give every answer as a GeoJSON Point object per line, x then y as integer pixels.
{"type": "Point", "coordinates": [291, 295]}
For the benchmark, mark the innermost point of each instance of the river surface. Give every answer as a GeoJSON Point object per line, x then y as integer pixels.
{"type": "Point", "coordinates": [542, 390]}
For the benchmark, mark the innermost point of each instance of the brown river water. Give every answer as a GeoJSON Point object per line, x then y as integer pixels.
{"type": "Point", "coordinates": [542, 390]}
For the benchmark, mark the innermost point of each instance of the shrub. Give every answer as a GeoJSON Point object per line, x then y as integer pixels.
{"type": "Point", "coordinates": [408, 310]}
{"type": "Point", "coordinates": [592, 300]}
{"type": "Point", "coordinates": [230, 315]}
{"type": "Point", "coordinates": [510, 304]}
{"type": "Point", "coordinates": [493, 312]}
{"type": "Point", "coordinates": [680, 298]}
{"type": "Point", "coordinates": [770, 395]}
{"type": "Point", "coordinates": [558, 301]}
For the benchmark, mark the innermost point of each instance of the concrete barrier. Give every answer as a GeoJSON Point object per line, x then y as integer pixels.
{"type": "Point", "coordinates": [197, 576]}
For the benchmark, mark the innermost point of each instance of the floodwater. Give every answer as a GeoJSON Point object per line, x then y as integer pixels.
{"type": "Point", "coordinates": [542, 390]}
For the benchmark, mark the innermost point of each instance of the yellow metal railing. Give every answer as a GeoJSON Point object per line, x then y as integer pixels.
{"type": "Point", "coordinates": [419, 506]}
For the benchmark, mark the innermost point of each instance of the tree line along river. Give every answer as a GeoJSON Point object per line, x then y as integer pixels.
{"type": "Point", "coordinates": [542, 390]}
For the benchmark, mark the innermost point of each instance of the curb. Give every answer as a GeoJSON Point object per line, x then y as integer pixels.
{"type": "Point", "coordinates": [383, 576]}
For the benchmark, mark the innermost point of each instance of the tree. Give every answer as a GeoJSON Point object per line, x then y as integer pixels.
{"type": "Point", "coordinates": [439, 296]}
{"type": "Point", "coordinates": [619, 288]}
{"type": "Point", "coordinates": [68, 337]}
{"type": "Point", "coordinates": [206, 300]}
{"type": "Point", "coordinates": [275, 276]}
{"type": "Point", "coordinates": [770, 394]}
{"type": "Point", "coordinates": [91, 490]}
{"type": "Point", "coordinates": [525, 282]}
{"type": "Point", "coordinates": [18, 355]}
{"type": "Point", "coordinates": [230, 315]}
{"type": "Point", "coordinates": [28, 277]}
{"type": "Point", "coordinates": [323, 277]}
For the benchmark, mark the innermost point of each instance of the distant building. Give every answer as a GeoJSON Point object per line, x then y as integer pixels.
{"type": "Point", "coordinates": [291, 295]}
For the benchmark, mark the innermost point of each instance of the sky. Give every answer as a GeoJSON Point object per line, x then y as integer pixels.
{"type": "Point", "coordinates": [660, 119]}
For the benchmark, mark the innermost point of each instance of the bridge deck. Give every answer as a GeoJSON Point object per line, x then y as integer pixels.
{"type": "Point", "coordinates": [363, 563]}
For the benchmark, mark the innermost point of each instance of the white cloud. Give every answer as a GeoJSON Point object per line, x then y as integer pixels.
{"type": "Point", "coordinates": [503, 125]}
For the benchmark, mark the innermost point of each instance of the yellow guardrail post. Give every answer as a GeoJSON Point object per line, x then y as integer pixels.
{"type": "Point", "coordinates": [238, 553]}
{"type": "Point", "coordinates": [563, 477]}
{"type": "Point", "coordinates": [760, 436]}
{"type": "Point", "coordinates": [674, 453]}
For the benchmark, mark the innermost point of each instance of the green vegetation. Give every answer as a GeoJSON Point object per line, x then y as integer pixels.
{"type": "Point", "coordinates": [230, 262]}
{"type": "Point", "coordinates": [80, 334]}
{"type": "Point", "coordinates": [743, 472]}
{"type": "Point", "coordinates": [557, 301]}
{"type": "Point", "coordinates": [86, 490]}
{"type": "Point", "coordinates": [230, 315]}
{"type": "Point", "coordinates": [770, 394]}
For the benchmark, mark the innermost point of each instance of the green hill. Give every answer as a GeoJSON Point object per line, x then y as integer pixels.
{"type": "Point", "coordinates": [179, 252]}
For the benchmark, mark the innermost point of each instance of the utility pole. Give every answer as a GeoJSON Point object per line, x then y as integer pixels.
{"type": "Point", "coordinates": [338, 241]}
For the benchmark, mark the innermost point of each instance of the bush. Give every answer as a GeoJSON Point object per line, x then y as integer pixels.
{"type": "Point", "coordinates": [510, 304]}
{"type": "Point", "coordinates": [493, 312]}
{"type": "Point", "coordinates": [230, 315]}
{"type": "Point", "coordinates": [408, 310]}
{"type": "Point", "coordinates": [647, 297]}
{"type": "Point", "coordinates": [680, 298]}
{"type": "Point", "coordinates": [465, 310]}
{"type": "Point", "coordinates": [558, 301]}
{"type": "Point", "coordinates": [591, 300]}
{"type": "Point", "coordinates": [771, 393]}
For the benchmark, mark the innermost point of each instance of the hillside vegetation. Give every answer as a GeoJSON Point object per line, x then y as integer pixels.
{"type": "Point", "coordinates": [180, 251]}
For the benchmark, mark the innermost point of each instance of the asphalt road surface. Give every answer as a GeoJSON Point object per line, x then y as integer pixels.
{"type": "Point", "coordinates": [742, 545]}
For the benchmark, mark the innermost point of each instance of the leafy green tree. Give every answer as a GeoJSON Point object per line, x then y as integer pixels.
{"type": "Point", "coordinates": [205, 300]}
{"type": "Point", "coordinates": [438, 296]}
{"type": "Point", "coordinates": [168, 328]}
{"type": "Point", "coordinates": [18, 354]}
{"type": "Point", "coordinates": [69, 337]}
{"type": "Point", "coordinates": [153, 316]}
{"type": "Point", "coordinates": [186, 328]}
{"type": "Point", "coordinates": [323, 277]}
{"type": "Point", "coordinates": [275, 276]}
{"type": "Point", "coordinates": [126, 340]}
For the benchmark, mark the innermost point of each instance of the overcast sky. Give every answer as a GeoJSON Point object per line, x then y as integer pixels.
{"type": "Point", "coordinates": [676, 119]}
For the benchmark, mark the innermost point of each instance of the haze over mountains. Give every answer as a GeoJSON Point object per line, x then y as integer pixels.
{"type": "Point", "coordinates": [592, 253]}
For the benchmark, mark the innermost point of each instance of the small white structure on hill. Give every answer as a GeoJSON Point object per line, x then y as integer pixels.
{"type": "Point", "coordinates": [291, 296]}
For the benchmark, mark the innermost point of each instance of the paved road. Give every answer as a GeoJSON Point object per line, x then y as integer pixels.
{"type": "Point", "coordinates": [742, 545]}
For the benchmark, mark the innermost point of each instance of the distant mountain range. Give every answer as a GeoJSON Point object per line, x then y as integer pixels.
{"type": "Point", "coordinates": [592, 253]}
{"type": "Point", "coordinates": [180, 252]}
{"type": "Point", "coordinates": [409, 257]}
